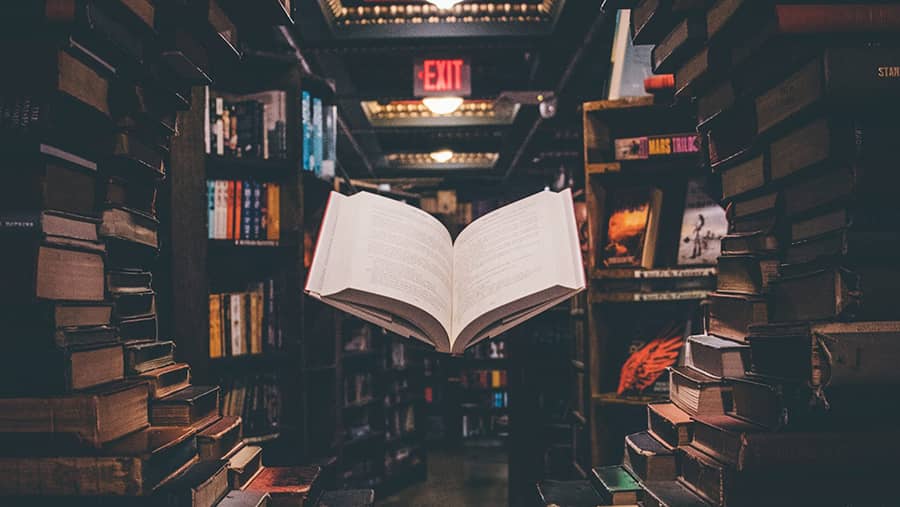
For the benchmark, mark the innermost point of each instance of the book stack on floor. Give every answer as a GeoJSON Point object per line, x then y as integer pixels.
{"type": "Point", "coordinates": [791, 388]}
{"type": "Point", "coordinates": [93, 407]}
{"type": "Point", "coordinates": [83, 236]}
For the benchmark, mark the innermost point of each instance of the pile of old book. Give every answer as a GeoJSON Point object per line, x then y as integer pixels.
{"type": "Point", "coordinates": [790, 397]}
{"type": "Point", "coordinates": [92, 402]}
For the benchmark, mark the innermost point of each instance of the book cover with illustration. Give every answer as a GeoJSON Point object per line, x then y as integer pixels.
{"type": "Point", "coordinates": [702, 227]}
{"type": "Point", "coordinates": [630, 238]}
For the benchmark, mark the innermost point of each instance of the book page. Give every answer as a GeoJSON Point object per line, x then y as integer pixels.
{"type": "Point", "coordinates": [390, 249]}
{"type": "Point", "coordinates": [519, 250]}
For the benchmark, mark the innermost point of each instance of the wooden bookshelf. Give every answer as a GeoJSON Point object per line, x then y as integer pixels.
{"type": "Point", "coordinates": [627, 307]}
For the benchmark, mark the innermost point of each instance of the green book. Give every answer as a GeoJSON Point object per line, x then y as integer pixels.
{"type": "Point", "coordinates": [617, 485]}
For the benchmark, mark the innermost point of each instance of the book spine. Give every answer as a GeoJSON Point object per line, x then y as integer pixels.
{"type": "Point", "coordinates": [237, 339]}
{"type": "Point", "coordinates": [837, 18]}
{"type": "Point", "coordinates": [317, 136]}
{"type": "Point", "coordinates": [257, 210]}
{"type": "Point", "coordinates": [215, 326]}
{"type": "Point", "coordinates": [263, 210]}
{"type": "Point", "coordinates": [306, 115]}
{"type": "Point", "coordinates": [229, 209]}
{"type": "Point", "coordinates": [266, 114]}
{"type": "Point", "coordinates": [211, 211]}
{"type": "Point", "coordinates": [238, 209]}
{"type": "Point", "coordinates": [219, 127]}
{"type": "Point", "coordinates": [246, 206]}
{"type": "Point", "coordinates": [208, 110]}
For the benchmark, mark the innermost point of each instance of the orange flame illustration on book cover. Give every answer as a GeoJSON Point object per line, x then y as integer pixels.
{"type": "Point", "coordinates": [647, 364]}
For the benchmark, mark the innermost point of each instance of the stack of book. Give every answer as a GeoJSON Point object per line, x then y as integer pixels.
{"type": "Point", "coordinates": [780, 397]}
{"type": "Point", "coordinates": [93, 404]}
{"type": "Point", "coordinates": [91, 376]}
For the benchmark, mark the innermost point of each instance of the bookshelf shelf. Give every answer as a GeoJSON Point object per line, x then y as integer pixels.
{"type": "Point", "coordinates": [244, 245]}
{"type": "Point", "coordinates": [648, 297]}
{"type": "Point", "coordinates": [248, 168]}
{"type": "Point", "coordinates": [653, 274]}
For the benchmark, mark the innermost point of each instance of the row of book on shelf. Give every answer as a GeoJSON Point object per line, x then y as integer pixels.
{"type": "Point", "coordinates": [244, 210]}
{"type": "Point", "coordinates": [255, 126]}
{"type": "Point", "coordinates": [246, 126]}
{"type": "Point", "coordinates": [485, 379]}
{"type": "Point", "coordinates": [319, 125]}
{"type": "Point", "coordinates": [257, 400]}
{"type": "Point", "coordinates": [245, 322]}
{"type": "Point", "coordinates": [478, 425]}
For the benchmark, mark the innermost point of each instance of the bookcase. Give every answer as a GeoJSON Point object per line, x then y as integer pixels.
{"type": "Point", "coordinates": [650, 258]}
{"type": "Point", "coordinates": [227, 264]}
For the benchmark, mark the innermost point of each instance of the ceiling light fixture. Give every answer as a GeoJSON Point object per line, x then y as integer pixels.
{"type": "Point", "coordinates": [442, 105]}
{"type": "Point", "coordinates": [445, 4]}
{"type": "Point", "coordinates": [442, 156]}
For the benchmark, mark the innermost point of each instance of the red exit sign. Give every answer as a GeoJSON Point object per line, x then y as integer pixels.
{"type": "Point", "coordinates": [442, 76]}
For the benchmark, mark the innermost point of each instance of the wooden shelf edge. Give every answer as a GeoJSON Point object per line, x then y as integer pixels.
{"type": "Point", "coordinates": [654, 274]}
{"type": "Point", "coordinates": [614, 399]}
{"type": "Point", "coordinates": [623, 103]}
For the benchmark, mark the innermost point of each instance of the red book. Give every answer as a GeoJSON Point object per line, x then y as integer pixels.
{"type": "Point", "coordinates": [660, 83]}
{"type": "Point", "coordinates": [237, 202]}
{"type": "Point", "coordinates": [286, 485]}
{"type": "Point", "coordinates": [819, 18]}
{"type": "Point", "coordinates": [229, 231]}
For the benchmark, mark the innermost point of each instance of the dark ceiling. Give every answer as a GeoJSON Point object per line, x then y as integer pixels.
{"type": "Point", "coordinates": [368, 46]}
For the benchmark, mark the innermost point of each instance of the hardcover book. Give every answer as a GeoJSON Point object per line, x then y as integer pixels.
{"type": "Point", "coordinates": [648, 458]}
{"type": "Point", "coordinates": [409, 277]}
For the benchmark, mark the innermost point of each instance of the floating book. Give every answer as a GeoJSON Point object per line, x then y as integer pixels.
{"type": "Point", "coordinates": [396, 266]}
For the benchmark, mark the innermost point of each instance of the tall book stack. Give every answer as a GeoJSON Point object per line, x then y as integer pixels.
{"type": "Point", "coordinates": [92, 403]}
{"type": "Point", "coordinates": [79, 219]}
{"type": "Point", "coordinates": [791, 388]}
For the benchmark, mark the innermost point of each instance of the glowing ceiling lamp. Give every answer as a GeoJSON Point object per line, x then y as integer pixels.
{"type": "Point", "coordinates": [442, 105]}
{"type": "Point", "coordinates": [442, 156]}
{"type": "Point", "coordinates": [445, 4]}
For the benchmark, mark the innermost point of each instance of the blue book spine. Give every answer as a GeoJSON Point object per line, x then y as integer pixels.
{"type": "Point", "coordinates": [211, 204]}
{"type": "Point", "coordinates": [257, 210]}
{"type": "Point", "coordinates": [317, 134]}
{"type": "Point", "coordinates": [306, 117]}
{"type": "Point", "coordinates": [246, 210]}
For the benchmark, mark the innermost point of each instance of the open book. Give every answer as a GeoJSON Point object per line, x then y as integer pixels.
{"type": "Point", "coordinates": [396, 266]}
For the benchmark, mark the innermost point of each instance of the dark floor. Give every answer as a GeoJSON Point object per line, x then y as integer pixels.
{"type": "Point", "coordinates": [458, 478]}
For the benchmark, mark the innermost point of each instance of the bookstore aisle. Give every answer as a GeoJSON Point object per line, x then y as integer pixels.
{"type": "Point", "coordinates": [347, 253]}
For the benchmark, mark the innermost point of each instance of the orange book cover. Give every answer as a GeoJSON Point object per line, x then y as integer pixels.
{"type": "Point", "coordinates": [229, 196]}
{"type": "Point", "coordinates": [215, 326]}
{"type": "Point", "coordinates": [272, 212]}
